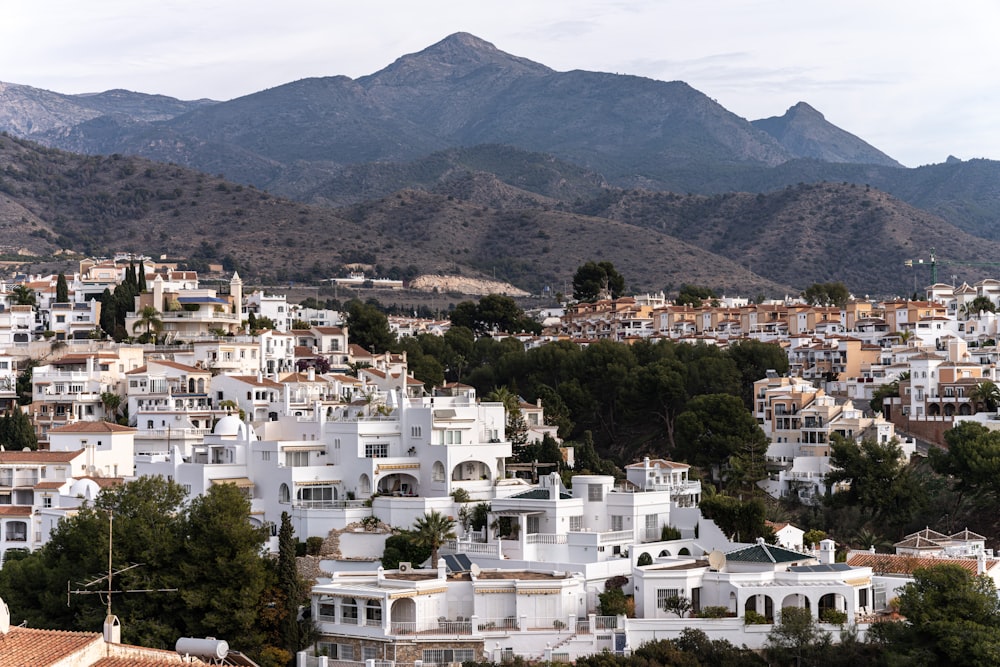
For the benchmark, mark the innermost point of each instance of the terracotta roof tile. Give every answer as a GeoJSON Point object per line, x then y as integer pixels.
{"type": "Point", "coordinates": [92, 427]}
{"type": "Point", "coordinates": [39, 456]}
{"type": "Point", "coordinates": [28, 647]}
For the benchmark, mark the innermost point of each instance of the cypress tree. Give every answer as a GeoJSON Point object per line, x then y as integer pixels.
{"type": "Point", "coordinates": [142, 277]}
{"type": "Point", "coordinates": [62, 289]}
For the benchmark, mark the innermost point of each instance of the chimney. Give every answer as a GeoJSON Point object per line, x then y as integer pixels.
{"type": "Point", "coordinates": [553, 486]}
{"type": "Point", "coordinates": [827, 552]}
{"type": "Point", "coordinates": [311, 374]}
{"type": "Point", "coordinates": [981, 562]}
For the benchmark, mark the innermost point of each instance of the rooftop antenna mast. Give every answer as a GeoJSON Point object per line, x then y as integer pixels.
{"type": "Point", "coordinates": [112, 628]}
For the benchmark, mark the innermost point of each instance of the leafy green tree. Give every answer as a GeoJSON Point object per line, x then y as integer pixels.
{"type": "Point", "coordinates": [494, 313]}
{"type": "Point", "coordinates": [827, 294]}
{"type": "Point", "coordinates": [797, 638]}
{"type": "Point", "coordinates": [369, 327]}
{"type": "Point", "coordinates": [612, 602]}
{"type": "Point", "coordinates": [971, 460]}
{"type": "Point", "coordinates": [222, 573]}
{"type": "Point", "coordinates": [753, 360]}
{"type": "Point", "coordinates": [431, 530]}
{"type": "Point", "coordinates": [403, 547]}
{"type": "Point", "coordinates": [62, 289]}
{"type": "Point", "coordinates": [594, 279]}
{"type": "Point", "coordinates": [112, 403]}
{"type": "Point", "coordinates": [741, 520]}
{"type": "Point", "coordinates": [881, 484]}
{"type": "Point", "coordinates": [952, 618]}
{"type": "Point", "coordinates": [694, 295]}
{"type": "Point", "coordinates": [889, 390]}
{"type": "Point", "coordinates": [715, 427]}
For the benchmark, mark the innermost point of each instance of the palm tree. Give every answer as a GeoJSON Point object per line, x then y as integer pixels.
{"type": "Point", "coordinates": [149, 317]}
{"type": "Point", "coordinates": [111, 402]}
{"type": "Point", "coordinates": [22, 295]}
{"type": "Point", "coordinates": [987, 393]}
{"type": "Point", "coordinates": [431, 530]}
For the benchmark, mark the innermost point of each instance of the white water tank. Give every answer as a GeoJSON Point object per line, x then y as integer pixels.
{"type": "Point", "coordinates": [208, 648]}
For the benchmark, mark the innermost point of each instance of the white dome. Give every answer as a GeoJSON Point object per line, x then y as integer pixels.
{"type": "Point", "coordinates": [228, 425]}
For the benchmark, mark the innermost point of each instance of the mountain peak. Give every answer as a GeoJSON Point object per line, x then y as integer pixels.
{"type": "Point", "coordinates": [456, 55]}
{"type": "Point", "coordinates": [801, 108]}
{"type": "Point", "coordinates": [806, 133]}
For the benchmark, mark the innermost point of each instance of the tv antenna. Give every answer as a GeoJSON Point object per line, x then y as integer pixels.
{"type": "Point", "coordinates": [88, 587]}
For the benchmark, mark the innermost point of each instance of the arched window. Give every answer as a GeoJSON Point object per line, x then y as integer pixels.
{"type": "Point", "coordinates": [437, 472]}
{"type": "Point", "coordinates": [365, 484]}
{"type": "Point", "coordinates": [284, 495]}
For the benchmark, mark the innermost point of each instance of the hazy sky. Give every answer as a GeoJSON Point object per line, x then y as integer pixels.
{"type": "Point", "coordinates": [916, 79]}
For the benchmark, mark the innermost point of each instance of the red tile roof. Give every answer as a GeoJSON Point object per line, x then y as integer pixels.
{"type": "Point", "coordinates": [904, 564]}
{"type": "Point", "coordinates": [92, 427]}
{"type": "Point", "coordinates": [39, 456]}
{"type": "Point", "coordinates": [28, 647]}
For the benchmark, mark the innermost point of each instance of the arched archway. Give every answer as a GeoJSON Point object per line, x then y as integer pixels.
{"type": "Point", "coordinates": [762, 604]}
{"type": "Point", "coordinates": [933, 410]}
{"type": "Point", "coordinates": [684, 552]}
{"type": "Point", "coordinates": [403, 616]}
{"type": "Point", "coordinates": [665, 554]}
{"type": "Point", "coordinates": [831, 602]}
{"type": "Point", "coordinates": [471, 470]}
{"type": "Point", "coordinates": [964, 409]}
{"type": "Point", "coordinates": [398, 484]}
{"type": "Point", "coordinates": [949, 410]}
{"type": "Point", "coordinates": [796, 600]}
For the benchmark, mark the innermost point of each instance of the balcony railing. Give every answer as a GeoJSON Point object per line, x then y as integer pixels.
{"type": "Point", "coordinates": [546, 538]}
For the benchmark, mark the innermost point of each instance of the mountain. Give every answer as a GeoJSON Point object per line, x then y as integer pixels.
{"type": "Point", "coordinates": [55, 204]}
{"type": "Point", "coordinates": [462, 132]}
{"type": "Point", "coordinates": [45, 115]}
{"type": "Point", "coordinates": [805, 133]}
{"type": "Point", "coordinates": [461, 91]}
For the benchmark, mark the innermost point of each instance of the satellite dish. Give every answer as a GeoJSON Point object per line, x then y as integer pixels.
{"type": "Point", "coordinates": [475, 570]}
{"type": "Point", "coordinates": [716, 560]}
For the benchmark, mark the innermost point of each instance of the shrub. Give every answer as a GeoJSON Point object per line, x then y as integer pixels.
{"type": "Point", "coordinates": [834, 616]}
{"type": "Point", "coordinates": [314, 545]}
{"type": "Point", "coordinates": [460, 495]}
{"type": "Point", "coordinates": [668, 533]}
{"type": "Point", "coordinates": [753, 618]}
{"type": "Point", "coordinates": [714, 612]}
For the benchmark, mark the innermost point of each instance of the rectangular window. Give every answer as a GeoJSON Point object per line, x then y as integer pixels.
{"type": "Point", "coordinates": [617, 522]}
{"type": "Point", "coordinates": [369, 653]}
{"type": "Point", "coordinates": [296, 459]}
{"type": "Point", "coordinates": [452, 438]}
{"type": "Point", "coordinates": [377, 450]}
{"type": "Point", "coordinates": [446, 655]}
{"type": "Point", "coordinates": [663, 595]}
{"type": "Point", "coordinates": [415, 431]}
{"type": "Point", "coordinates": [349, 611]}
{"type": "Point", "coordinates": [47, 501]}
{"type": "Point", "coordinates": [576, 523]}
{"type": "Point", "coordinates": [265, 456]}
{"type": "Point", "coordinates": [533, 524]}
{"type": "Point", "coordinates": [595, 493]}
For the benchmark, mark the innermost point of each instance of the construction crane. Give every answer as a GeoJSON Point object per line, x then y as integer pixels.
{"type": "Point", "coordinates": [934, 262]}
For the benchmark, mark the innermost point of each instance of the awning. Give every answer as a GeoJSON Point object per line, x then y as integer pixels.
{"type": "Point", "coordinates": [242, 482]}
{"type": "Point", "coordinates": [516, 512]}
{"type": "Point", "coordinates": [318, 482]}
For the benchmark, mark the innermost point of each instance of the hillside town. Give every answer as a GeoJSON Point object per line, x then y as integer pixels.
{"type": "Point", "coordinates": [352, 447]}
